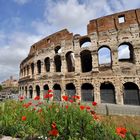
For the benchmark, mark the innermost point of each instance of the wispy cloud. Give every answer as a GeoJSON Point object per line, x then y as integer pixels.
{"type": "Point", "coordinates": [21, 2]}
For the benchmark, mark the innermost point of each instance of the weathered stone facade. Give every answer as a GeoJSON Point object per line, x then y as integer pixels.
{"type": "Point", "coordinates": [60, 62]}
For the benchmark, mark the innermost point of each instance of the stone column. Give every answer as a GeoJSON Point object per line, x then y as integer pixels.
{"type": "Point", "coordinates": [52, 67]}
{"type": "Point", "coordinates": [77, 63]}
{"type": "Point", "coordinates": [42, 68]}
{"type": "Point", "coordinates": [94, 60]}
{"type": "Point", "coordinates": [97, 96]}
{"type": "Point", "coordinates": [64, 65]}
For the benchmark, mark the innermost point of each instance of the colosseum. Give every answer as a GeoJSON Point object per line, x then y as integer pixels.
{"type": "Point", "coordinates": [102, 66]}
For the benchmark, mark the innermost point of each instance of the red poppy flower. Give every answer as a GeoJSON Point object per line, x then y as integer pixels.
{"type": "Point", "coordinates": [88, 107]}
{"type": "Point", "coordinates": [40, 110]}
{"type": "Point", "coordinates": [82, 107]}
{"type": "Point", "coordinates": [37, 98]}
{"type": "Point", "coordinates": [21, 98]}
{"type": "Point", "coordinates": [53, 132]}
{"type": "Point", "coordinates": [65, 98]}
{"type": "Point", "coordinates": [92, 112]}
{"type": "Point", "coordinates": [53, 125]}
{"type": "Point", "coordinates": [23, 118]}
{"type": "Point", "coordinates": [94, 103]}
{"type": "Point", "coordinates": [46, 96]}
{"type": "Point", "coordinates": [121, 131]}
{"type": "Point", "coordinates": [50, 90]}
{"type": "Point", "coordinates": [66, 106]}
{"type": "Point", "coordinates": [71, 101]}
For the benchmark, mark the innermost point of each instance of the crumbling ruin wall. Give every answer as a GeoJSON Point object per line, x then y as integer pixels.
{"type": "Point", "coordinates": [70, 64]}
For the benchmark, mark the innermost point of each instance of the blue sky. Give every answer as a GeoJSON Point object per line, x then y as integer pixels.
{"type": "Point", "coordinates": [23, 22]}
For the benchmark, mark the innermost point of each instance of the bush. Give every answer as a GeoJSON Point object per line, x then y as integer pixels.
{"type": "Point", "coordinates": [51, 120]}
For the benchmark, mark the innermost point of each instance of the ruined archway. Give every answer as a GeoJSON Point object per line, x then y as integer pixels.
{"type": "Point", "coordinates": [70, 61]}
{"type": "Point", "coordinates": [47, 64]}
{"type": "Point", "coordinates": [86, 61]}
{"type": "Point", "coordinates": [85, 42]}
{"type": "Point", "coordinates": [107, 93]}
{"type": "Point", "coordinates": [56, 92]}
{"type": "Point", "coordinates": [45, 89]}
{"type": "Point", "coordinates": [70, 89]}
{"type": "Point", "coordinates": [57, 49]}
{"type": "Point", "coordinates": [37, 90]}
{"type": "Point", "coordinates": [57, 62]}
{"type": "Point", "coordinates": [125, 52]}
{"type": "Point", "coordinates": [32, 68]}
{"type": "Point", "coordinates": [131, 94]}
{"type": "Point", "coordinates": [30, 92]}
{"type": "Point", "coordinates": [87, 92]}
{"type": "Point", "coordinates": [104, 56]}
{"type": "Point", "coordinates": [39, 66]}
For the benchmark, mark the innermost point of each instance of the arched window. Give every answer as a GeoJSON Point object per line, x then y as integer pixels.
{"type": "Point", "coordinates": [125, 52]}
{"type": "Point", "coordinates": [30, 92]}
{"type": "Point", "coordinates": [57, 49]}
{"type": "Point", "coordinates": [107, 93]}
{"type": "Point", "coordinates": [57, 61]}
{"type": "Point", "coordinates": [46, 88]}
{"type": "Point", "coordinates": [104, 56]}
{"type": "Point", "coordinates": [39, 66]}
{"type": "Point", "coordinates": [87, 92]}
{"type": "Point", "coordinates": [85, 42]}
{"type": "Point", "coordinates": [47, 64]}
{"type": "Point", "coordinates": [70, 89]}
{"type": "Point", "coordinates": [86, 61]}
{"type": "Point", "coordinates": [131, 94]}
{"type": "Point", "coordinates": [32, 68]}
{"type": "Point", "coordinates": [57, 92]}
{"type": "Point", "coordinates": [37, 90]}
{"type": "Point", "coordinates": [70, 61]}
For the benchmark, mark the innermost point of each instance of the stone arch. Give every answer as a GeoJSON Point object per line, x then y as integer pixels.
{"type": "Point", "coordinates": [104, 55]}
{"type": "Point", "coordinates": [107, 93]}
{"type": "Point", "coordinates": [57, 49]}
{"type": "Point", "coordinates": [39, 66]}
{"type": "Point", "coordinates": [30, 92]}
{"type": "Point", "coordinates": [57, 62]}
{"type": "Point", "coordinates": [125, 52]}
{"type": "Point", "coordinates": [32, 68]}
{"type": "Point", "coordinates": [37, 90]}
{"type": "Point", "coordinates": [57, 92]}
{"type": "Point", "coordinates": [70, 89]}
{"type": "Point", "coordinates": [47, 64]}
{"type": "Point", "coordinates": [131, 94]}
{"type": "Point", "coordinates": [85, 42]}
{"type": "Point", "coordinates": [70, 61]}
{"type": "Point", "coordinates": [45, 89]}
{"type": "Point", "coordinates": [87, 92]}
{"type": "Point", "coordinates": [86, 61]}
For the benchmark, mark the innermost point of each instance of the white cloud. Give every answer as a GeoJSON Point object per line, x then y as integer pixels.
{"type": "Point", "coordinates": [123, 52]}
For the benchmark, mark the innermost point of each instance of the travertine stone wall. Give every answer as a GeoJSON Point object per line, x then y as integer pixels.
{"type": "Point", "coordinates": [104, 31]}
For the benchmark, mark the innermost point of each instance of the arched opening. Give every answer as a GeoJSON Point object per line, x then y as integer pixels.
{"type": "Point", "coordinates": [107, 93]}
{"type": "Point", "coordinates": [104, 56]}
{"type": "Point", "coordinates": [32, 68]}
{"type": "Point", "coordinates": [125, 52]}
{"type": "Point", "coordinates": [57, 61]}
{"type": "Point", "coordinates": [30, 92]}
{"type": "Point", "coordinates": [87, 92]}
{"type": "Point", "coordinates": [57, 49]}
{"type": "Point", "coordinates": [85, 42]}
{"type": "Point", "coordinates": [39, 66]}
{"type": "Point", "coordinates": [47, 64]}
{"type": "Point", "coordinates": [27, 69]}
{"type": "Point", "coordinates": [46, 88]}
{"type": "Point", "coordinates": [70, 61]}
{"type": "Point", "coordinates": [86, 61]}
{"type": "Point", "coordinates": [70, 89]}
{"type": "Point", "coordinates": [57, 92]}
{"type": "Point", "coordinates": [131, 94]}
{"type": "Point", "coordinates": [37, 90]}
{"type": "Point", "coordinates": [26, 91]}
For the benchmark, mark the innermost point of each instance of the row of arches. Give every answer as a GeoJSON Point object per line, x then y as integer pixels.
{"type": "Point", "coordinates": [125, 53]}
{"type": "Point", "coordinates": [131, 93]}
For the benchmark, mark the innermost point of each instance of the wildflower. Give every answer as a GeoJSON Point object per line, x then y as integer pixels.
{"type": "Point", "coordinates": [37, 98]}
{"type": "Point", "coordinates": [65, 98]}
{"type": "Point", "coordinates": [40, 110]}
{"type": "Point", "coordinates": [53, 132]}
{"type": "Point", "coordinates": [88, 107]}
{"type": "Point", "coordinates": [47, 96]}
{"type": "Point", "coordinates": [94, 103]}
{"type": "Point", "coordinates": [21, 98]}
{"type": "Point", "coordinates": [121, 131]}
{"type": "Point", "coordinates": [92, 112]}
{"type": "Point", "coordinates": [50, 90]}
{"type": "Point", "coordinates": [53, 125]}
{"type": "Point", "coordinates": [82, 107]}
{"type": "Point", "coordinates": [23, 118]}
{"type": "Point", "coordinates": [66, 106]}
{"type": "Point", "coordinates": [71, 101]}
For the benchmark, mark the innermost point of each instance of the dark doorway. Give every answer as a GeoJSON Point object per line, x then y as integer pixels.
{"type": "Point", "coordinates": [57, 92]}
